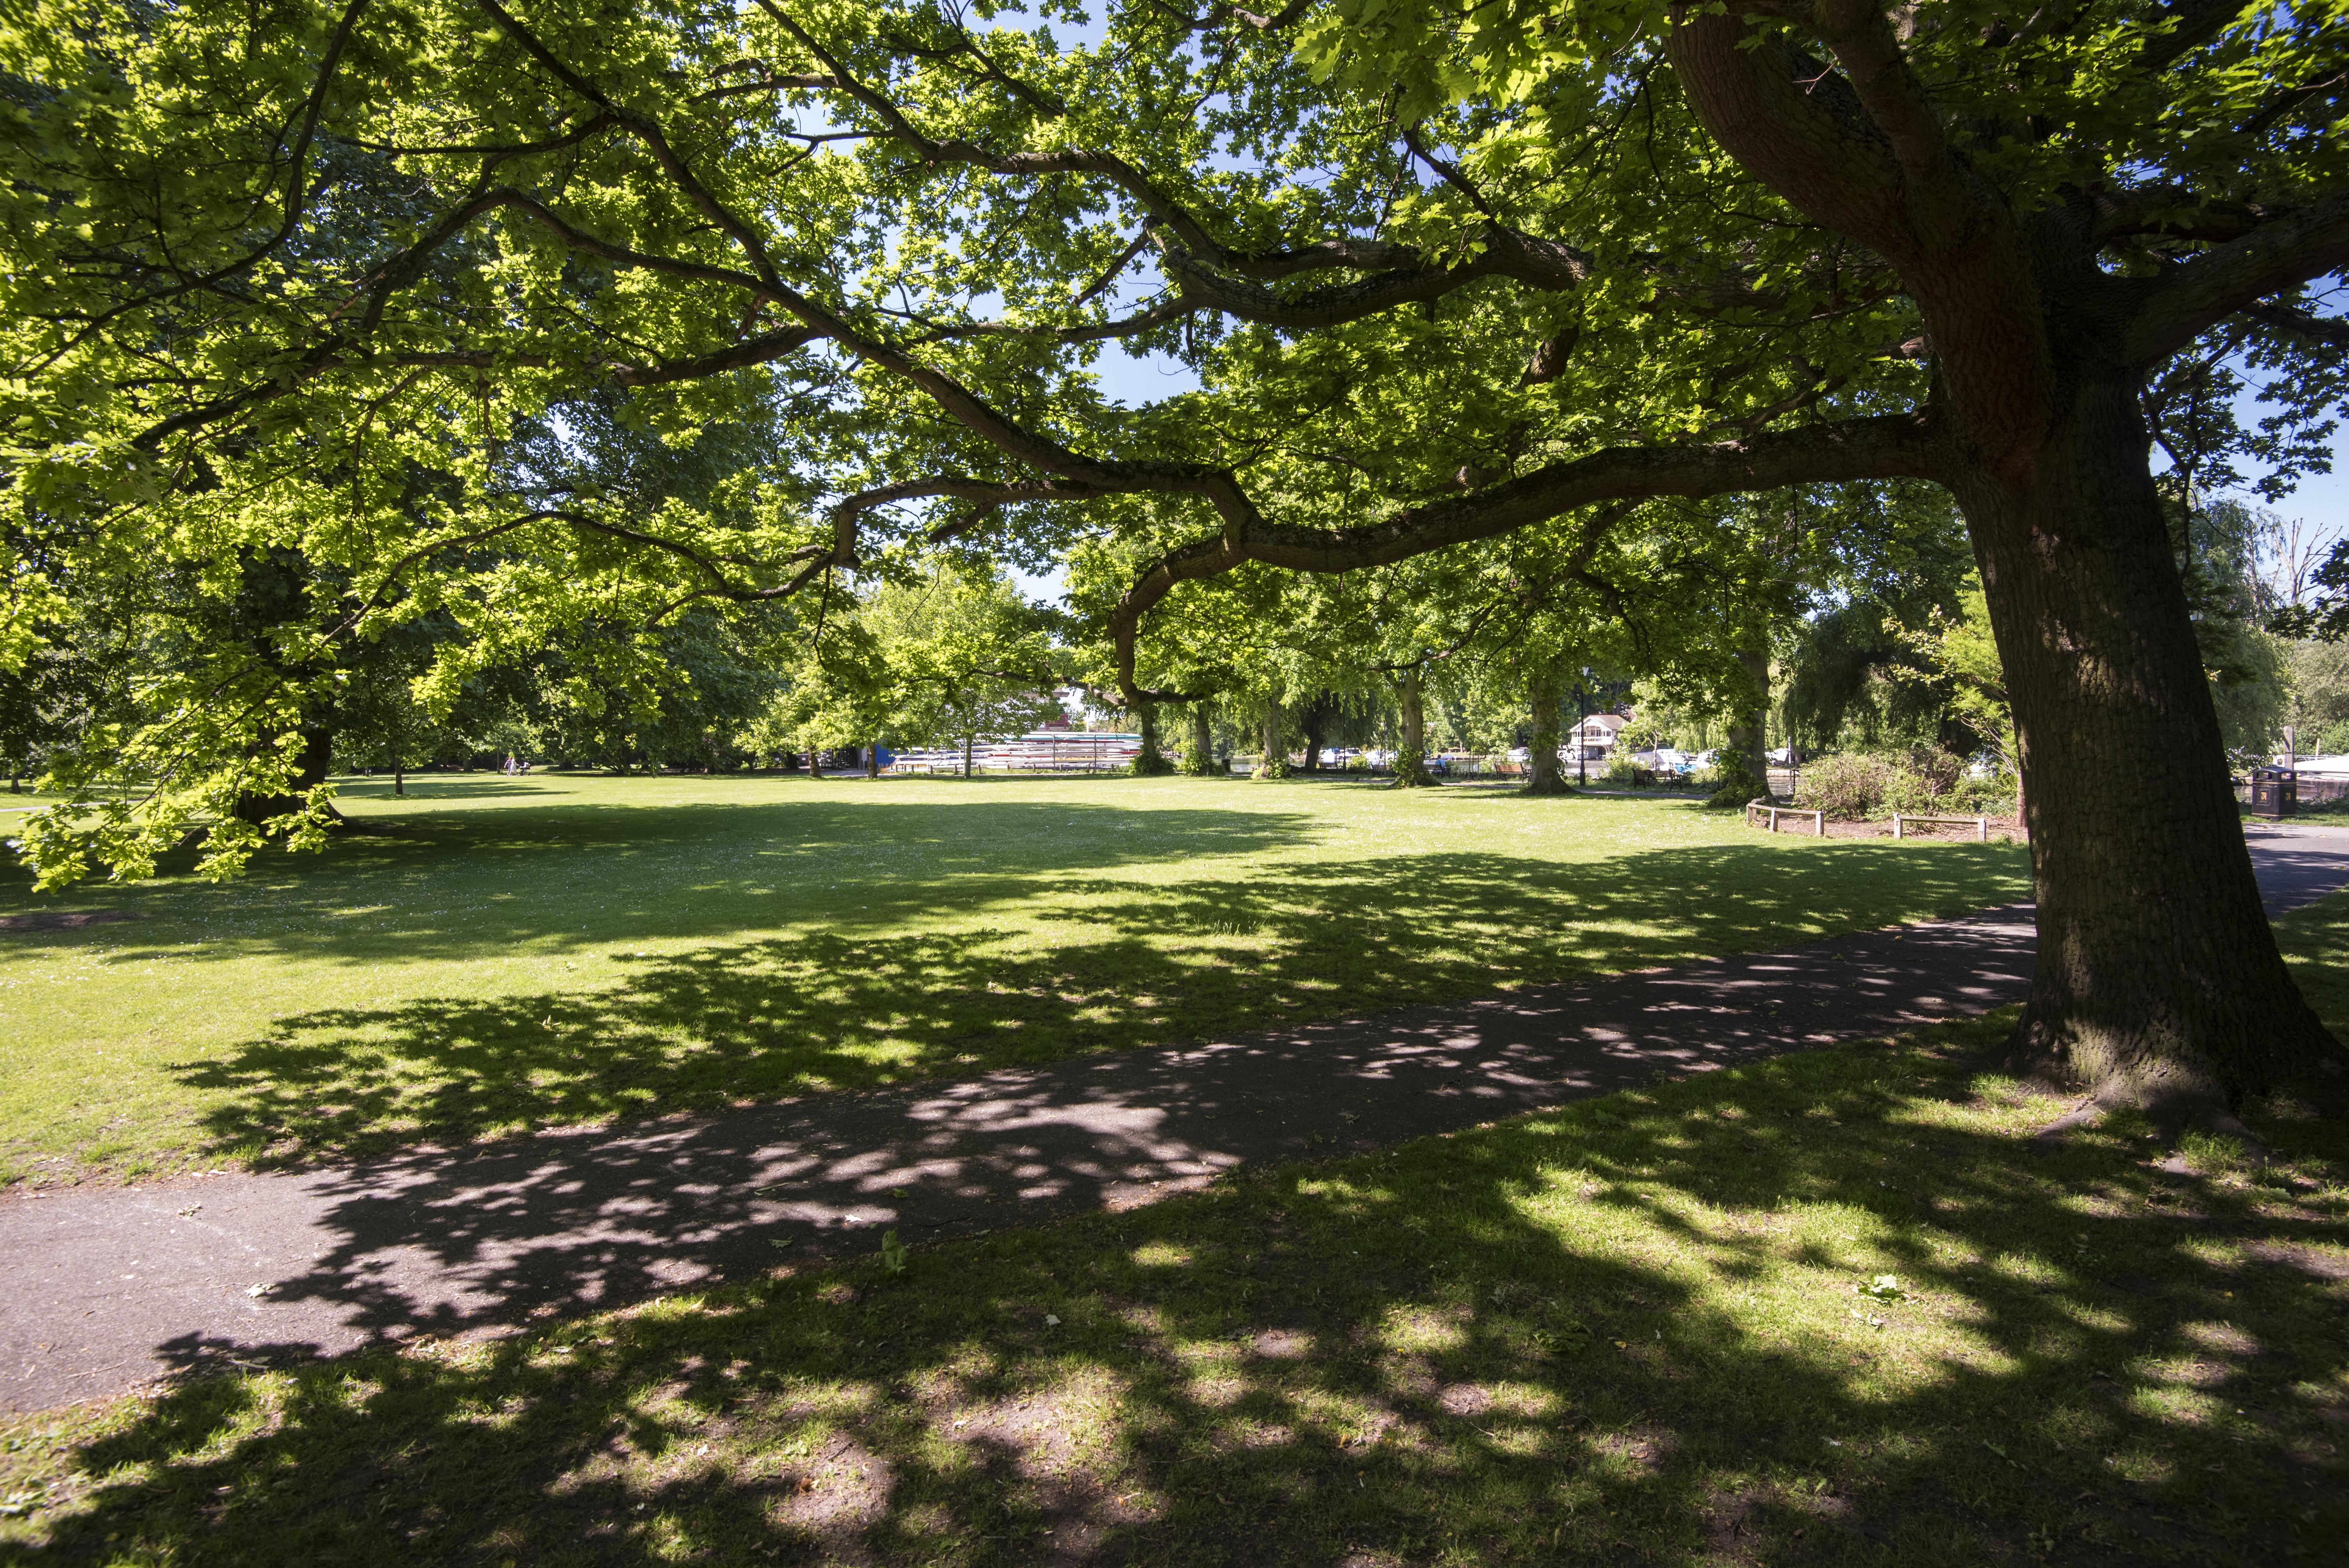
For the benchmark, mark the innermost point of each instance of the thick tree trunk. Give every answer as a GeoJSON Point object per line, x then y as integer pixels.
{"type": "Point", "coordinates": [1315, 719]}
{"type": "Point", "coordinates": [1150, 759]}
{"type": "Point", "coordinates": [1201, 763]}
{"type": "Point", "coordinates": [1410, 756]}
{"type": "Point", "coordinates": [873, 760]}
{"type": "Point", "coordinates": [1749, 731]}
{"type": "Point", "coordinates": [1276, 741]}
{"type": "Point", "coordinates": [966, 741]}
{"type": "Point", "coordinates": [2158, 983]}
{"type": "Point", "coordinates": [318, 752]}
{"type": "Point", "coordinates": [1542, 776]}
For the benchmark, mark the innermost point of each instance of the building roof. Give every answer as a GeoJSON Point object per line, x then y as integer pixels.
{"type": "Point", "coordinates": [1607, 720]}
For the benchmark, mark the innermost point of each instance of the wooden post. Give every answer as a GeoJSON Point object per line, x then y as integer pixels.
{"type": "Point", "coordinates": [1896, 824]}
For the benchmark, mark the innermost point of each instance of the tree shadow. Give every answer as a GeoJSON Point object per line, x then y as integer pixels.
{"type": "Point", "coordinates": [442, 1240]}
{"type": "Point", "coordinates": [583, 873]}
{"type": "Point", "coordinates": [827, 1010]}
{"type": "Point", "coordinates": [1630, 1331]}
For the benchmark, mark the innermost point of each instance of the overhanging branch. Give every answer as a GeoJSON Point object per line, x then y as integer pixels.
{"type": "Point", "coordinates": [2331, 331]}
{"type": "Point", "coordinates": [2188, 299]}
{"type": "Point", "coordinates": [1886, 446]}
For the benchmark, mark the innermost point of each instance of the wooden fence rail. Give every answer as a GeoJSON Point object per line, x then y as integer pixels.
{"type": "Point", "coordinates": [1980, 824]}
{"type": "Point", "coordinates": [1818, 819]}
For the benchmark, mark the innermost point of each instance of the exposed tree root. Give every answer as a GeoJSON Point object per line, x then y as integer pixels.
{"type": "Point", "coordinates": [2176, 1097]}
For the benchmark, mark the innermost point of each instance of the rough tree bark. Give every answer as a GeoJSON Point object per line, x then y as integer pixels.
{"type": "Point", "coordinates": [1410, 756]}
{"type": "Point", "coordinates": [1542, 776]}
{"type": "Point", "coordinates": [2158, 983]}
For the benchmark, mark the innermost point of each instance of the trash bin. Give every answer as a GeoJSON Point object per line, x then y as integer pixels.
{"type": "Point", "coordinates": [2275, 792]}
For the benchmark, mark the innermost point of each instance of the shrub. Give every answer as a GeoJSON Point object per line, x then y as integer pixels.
{"type": "Point", "coordinates": [1850, 786]}
{"type": "Point", "coordinates": [1620, 768]}
{"type": "Point", "coordinates": [1733, 784]}
{"type": "Point", "coordinates": [1923, 779]}
{"type": "Point", "coordinates": [1991, 797]}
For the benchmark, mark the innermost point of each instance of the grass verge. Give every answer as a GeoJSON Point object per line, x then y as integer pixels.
{"type": "Point", "coordinates": [1837, 1308]}
{"type": "Point", "coordinates": [560, 950]}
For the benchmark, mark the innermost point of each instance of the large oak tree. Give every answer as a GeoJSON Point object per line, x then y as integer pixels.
{"type": "Point", "coordinates": [1447, 272]}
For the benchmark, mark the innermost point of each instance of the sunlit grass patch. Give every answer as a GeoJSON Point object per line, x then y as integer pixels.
{"type": "Point", "coordinates": [571, 950]}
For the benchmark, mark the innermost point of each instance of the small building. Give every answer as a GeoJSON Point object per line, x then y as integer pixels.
{"type": "Point", "coordinates": [1595, 736]}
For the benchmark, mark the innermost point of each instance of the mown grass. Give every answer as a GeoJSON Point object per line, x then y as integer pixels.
{"type": "Point", "coordinates": [564, 950]}
{"type": "Point", "coordinates": [1644, 1329]}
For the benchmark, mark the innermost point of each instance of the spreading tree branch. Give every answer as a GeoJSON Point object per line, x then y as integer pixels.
{"type": "Point", "coordinates": [2187, 299]}
{"type": "Point", "coordinates": [1885, 447]}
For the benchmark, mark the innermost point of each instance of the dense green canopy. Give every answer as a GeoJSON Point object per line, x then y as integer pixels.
{"type": "Point", "coordinates": [307, 310]}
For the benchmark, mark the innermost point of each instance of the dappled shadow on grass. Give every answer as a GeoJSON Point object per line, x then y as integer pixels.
{"type": "Point", "coordinates": [575, 874]}
{"type": "Point", "coordinates": [1630, 1331]}
{"type": "Point", "coordinates": [1141, 965]}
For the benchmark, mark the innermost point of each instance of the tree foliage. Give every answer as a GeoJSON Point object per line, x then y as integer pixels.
{"type": "Point", "coordinates": [311, 313]}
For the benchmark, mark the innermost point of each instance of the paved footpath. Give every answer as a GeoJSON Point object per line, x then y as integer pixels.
{"type": "Point", "coordinates": [105, 1289]}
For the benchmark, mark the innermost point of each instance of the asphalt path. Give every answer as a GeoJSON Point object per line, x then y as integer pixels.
{"type": "Point", "coordinates": [105, 1289]}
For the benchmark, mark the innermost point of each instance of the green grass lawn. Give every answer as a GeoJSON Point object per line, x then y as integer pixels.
{"type": "Point", "coordinates": [569, 949]}
{"type": "Point", "coordinates": [1651, 1327]}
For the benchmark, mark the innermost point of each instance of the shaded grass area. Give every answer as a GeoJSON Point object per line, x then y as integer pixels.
{"type": "Point", "coordinates": [541, 951]}
{"type": "Point", "coordinates": [1651, 1327]}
